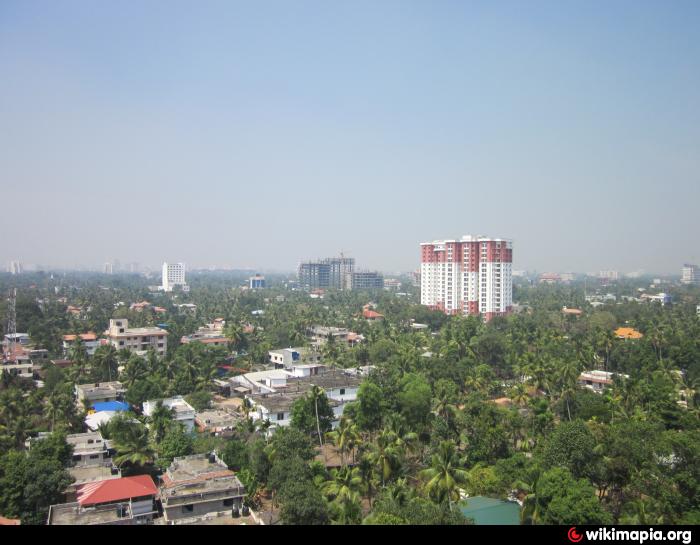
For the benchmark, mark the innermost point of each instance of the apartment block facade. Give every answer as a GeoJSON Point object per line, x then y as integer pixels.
{"type": "Point", "coordinates": [326, 273]}
{"type": "Point", "coordinates": [174, 275]}
{"type": "Point", "coordinates": [690, 274]}
{"type": "Point", "coordinates": [137, 339]}
{"type": "Point", "coordinates": [471, 276]}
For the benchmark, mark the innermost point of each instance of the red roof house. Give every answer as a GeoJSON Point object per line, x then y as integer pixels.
{"type": "Point", "coordinates": [115, 490]}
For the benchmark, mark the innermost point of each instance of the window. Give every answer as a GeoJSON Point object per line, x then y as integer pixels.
{"type": "Point", "coordinates": [187, 508]}
{"type": "Point", "coordinates": [280, 416]}
{"type": "Point", "coordinates": [342, 391]}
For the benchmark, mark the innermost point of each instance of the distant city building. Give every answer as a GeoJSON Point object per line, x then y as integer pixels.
{"type": "Point", "coordinates": [326, 273]}
{"type": "Point", "coordinates": [549, 278]}
{"type": "Point", "coordinates": [471, 276]}
{"type": "Point", "coordinates": [568, 277]}
{"type": "Point", "coordinates": [174, 275]}
{"type": "Point", "coordinates": [256, 282]}
{"type": "Point", "coordinates": [609, 275]}
{"type": "Point", "coordinates": [392, 284]}
{"type": "Point", "coordinates": [15, 267]}
{"type": "Point", "coordinates": [108, 269]}
{"type": "Point", "coordinates": [690, 274]}
{"type": "Point", "coordinates": [364, 280]}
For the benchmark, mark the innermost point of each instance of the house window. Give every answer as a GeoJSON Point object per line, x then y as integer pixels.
{"type": "Point", "coordinates": [342, 391]}
{"type": "Point", "coordinates": [228, 502]}
{"type": "Point", "coordinates": [280, 416]}
{"type": "Point", "coordinates": [187, 508]}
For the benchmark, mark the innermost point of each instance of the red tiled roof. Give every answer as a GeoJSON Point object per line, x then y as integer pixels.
{"type": "Point", "coordinates": [89, 336]}
{"type": "Point", "coordinates": [9, 522]}
{"type": "Point", "coordinates": [114, 490]}
{"type": "Point", "coordinates": [371, 314]}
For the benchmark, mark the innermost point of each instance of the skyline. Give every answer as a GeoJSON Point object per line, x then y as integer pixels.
{"type": "Point", "coordinates": [263, 135]}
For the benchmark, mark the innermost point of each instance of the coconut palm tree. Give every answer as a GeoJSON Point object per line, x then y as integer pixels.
{"type": "Point", "coordinates": [161, 419]}
{"type": "Point", "coordinates": [105, 362]}
{"type": "Point", "coordinates": [342, 489]}
{"type": "Point", "coordinates": [385, 455]}
{"type": "Point", "coordinates": [444, 476]}
{"type": "Point", "coordinates": [345, 437]}
{"type": "Point", "coordinates": [133, 446]}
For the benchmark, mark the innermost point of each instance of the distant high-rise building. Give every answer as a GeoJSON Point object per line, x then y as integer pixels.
{"type": "Point", "coordinates": [107, 269]}
{"type": "Point", "coordinates": [174, 275]}
{"type": "Point", "coordinates": [326, 273]}
{"type": "Point", "coordinates": [609, 275]}
{"type": "Point", "coordinates": [364, 280]}
{"type": "Point", "coordinates": [690, 274]}
{"type": "Point", "coordinates": [256, 282]}
{"type": "Point", "coordinates": [471, 276]}
{"type": "Point", "coordinates": [15, 267]}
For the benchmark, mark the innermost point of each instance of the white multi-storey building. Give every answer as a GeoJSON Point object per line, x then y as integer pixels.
{"type": "Point", "coordinates": [470, 276]}
{"type": "Point", "coordinates": [174, 275]}
{"type": "Point", "coordinates": [690, 274]}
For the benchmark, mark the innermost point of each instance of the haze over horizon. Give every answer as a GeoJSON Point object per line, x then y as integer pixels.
{"type": "Point", "coordinates": [258, 135]}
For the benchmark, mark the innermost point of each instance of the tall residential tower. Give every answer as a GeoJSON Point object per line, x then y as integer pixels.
{"type": "Point", "coordinates": [471, 276]}
{"type": "Point", "coordinates": [174, 275]}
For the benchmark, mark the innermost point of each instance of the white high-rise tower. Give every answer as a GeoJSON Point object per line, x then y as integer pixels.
{"type": "Point", "coordinates": [174, 275]}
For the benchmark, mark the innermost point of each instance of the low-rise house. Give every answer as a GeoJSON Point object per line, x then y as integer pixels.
{"type": "Point", "coordinates": [182, 411]}
{"type": "Point", "coordinates": [212, 334]}
{"type": "Point", "coordinates": [320, 335]}
{"type": "Point", "coordinates": [19, 338]}
{"type": "Point", "coordinates": [94, 420]}
{"type": "Point", "coordinates": [628, 333]}
{"type": "Point", "coordinates": [597, 380]}
{"type": "Point", "coordinates": [287, 357]}
{"type": "Point", "coordinates": [277, 407]}
{"type": "Point", "coordinates": [89, 449]}
{"type": "Point", "coordinates": [372, 315]}
{"type": "Point", "coordinates": [90, 342]}
{"type": "Point", "coordinates": [63, 364]}
{"type": "Point", "coordinates": [216, 421]}
{"type": "Point", "coordinates": [140, 307]}
{"type": "Point", "coordinates": [137, 339]}
{"type": "Point", "coordinates": [571, 311]}
{"type": "Point", "coordinates": [89, 394]}
{"type": "Point", "coordinates": [274, 402]}
{"type": "Point", "coordinates": [20, 366]}
{"type": "Point", "coordinates": [199, 486]}
{"type": "Point", "coordinates": [123, 501]}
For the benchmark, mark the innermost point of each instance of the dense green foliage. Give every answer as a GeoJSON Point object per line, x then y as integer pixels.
{"type": "Point", "coordinates": [463, 407]}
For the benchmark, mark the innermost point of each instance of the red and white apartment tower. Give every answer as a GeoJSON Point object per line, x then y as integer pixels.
{"type": "Point", "coordinates": [472, 276]}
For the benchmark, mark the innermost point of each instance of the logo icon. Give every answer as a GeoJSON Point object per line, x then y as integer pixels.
{"type": "Point", "coordinates": [573, 535]}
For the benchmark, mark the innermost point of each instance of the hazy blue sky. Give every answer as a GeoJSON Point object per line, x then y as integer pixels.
{"type": "Point", "coordinates": [261, 133]}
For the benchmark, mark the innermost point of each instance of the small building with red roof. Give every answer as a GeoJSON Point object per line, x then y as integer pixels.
{"type": "Point", "coordinates": [129, 500]}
